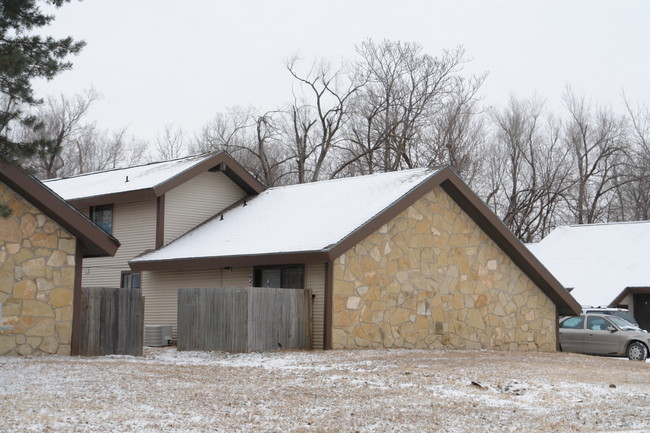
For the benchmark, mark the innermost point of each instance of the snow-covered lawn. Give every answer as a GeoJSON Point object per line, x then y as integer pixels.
{"type": "Point", "coordinates": [348, 391]}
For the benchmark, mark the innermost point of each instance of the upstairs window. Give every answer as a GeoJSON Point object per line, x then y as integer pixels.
{"type": "Point", "coordinates": [131, 280]}
{"type": "Point", "coordinates": [103, 216]}
{"type": "Point", "coordinates": [286, 277]}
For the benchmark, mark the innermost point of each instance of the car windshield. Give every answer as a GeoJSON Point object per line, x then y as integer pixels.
{"type": "Point", "coordinates": [622, 323]}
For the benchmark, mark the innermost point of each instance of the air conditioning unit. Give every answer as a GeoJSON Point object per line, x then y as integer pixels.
{"type": "Point", "coordinates": [157, 335]}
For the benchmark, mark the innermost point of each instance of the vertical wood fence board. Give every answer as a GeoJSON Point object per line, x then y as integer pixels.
{"type": "Point", "coordinates": [247, 319]}
{"type": "Point", "coordinates": [112, 321]}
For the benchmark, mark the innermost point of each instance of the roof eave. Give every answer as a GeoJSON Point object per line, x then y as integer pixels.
{"type": "Point", "coordinates": [239, 261]}
{"type": "Point", "coordinates": [95, 241]}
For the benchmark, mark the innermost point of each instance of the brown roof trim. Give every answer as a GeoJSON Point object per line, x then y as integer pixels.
{"type": "Point", "coordinates": [310, 257]}
{"type": "Point", "coordinates": [218, 161]}
{"type": "Point", "coordinates": [96, 242]}
{"type": "Point", "coordinates": [633, 290]}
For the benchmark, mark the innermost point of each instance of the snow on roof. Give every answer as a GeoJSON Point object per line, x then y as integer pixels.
{"type": "Point", "coordinates": [122, 179]}
{"type": "Point", "coordinates": [297, 218]}
{"type": "Point", "coordinates": [598, 260]}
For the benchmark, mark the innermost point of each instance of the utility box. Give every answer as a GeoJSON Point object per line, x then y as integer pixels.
{"type": "Point", "coordinates": [157, 335]}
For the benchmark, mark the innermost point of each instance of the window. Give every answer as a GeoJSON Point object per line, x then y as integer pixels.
{"type": "Point", "coordinates": [573, 323]}
{"type": "Point", "coordinates": [131, 280]}
{"type": "Point", "coordinates": [286, 277]}
{"type": "Point", "coordinates": [597, 324]}
{"type": "Point", "coordinates": [103, 217]}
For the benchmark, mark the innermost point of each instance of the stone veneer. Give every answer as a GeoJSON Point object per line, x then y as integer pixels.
{"type": "Point", "coordinates": [431, 278]}
{"type": "Point", "coordinates": [37, 264]}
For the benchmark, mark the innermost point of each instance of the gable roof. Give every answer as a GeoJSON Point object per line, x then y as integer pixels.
{"type": "Point", "coordinates": [96, 242]}
{"type": "Point", "coordinates": [317, 222]}
{"type": "Point", "coordinates": [598, 260]}
{"type": "Point", "coordinates": [148, 181]}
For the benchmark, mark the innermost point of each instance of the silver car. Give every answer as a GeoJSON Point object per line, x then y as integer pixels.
{"type": "Point", "coordinates": [602, 334]}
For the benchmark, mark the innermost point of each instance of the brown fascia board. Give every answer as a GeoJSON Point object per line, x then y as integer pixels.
{"type": "Point", "coordinates": [96, 242]}
{"type": "Point", "coordinates": [634, 290]}
{"type": "Point", "coordinates": [196, 263]}
{"type": "Point", "coordinates": [233, 170]}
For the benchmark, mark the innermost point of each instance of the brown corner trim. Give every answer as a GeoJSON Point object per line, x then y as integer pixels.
{"type": "Point", "coordinates": [160, 221]}
{"type": "Point", "coordinates": [76, 300]}
{"type": "Point", "coordinates": [329, 302]}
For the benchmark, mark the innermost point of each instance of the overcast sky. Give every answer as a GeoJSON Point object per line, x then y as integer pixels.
{"type": "Point", "coordinates": [160, 62]}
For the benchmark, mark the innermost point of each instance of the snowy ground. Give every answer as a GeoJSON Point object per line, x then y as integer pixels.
{"type": "Point", "coordinates": [347, 391]}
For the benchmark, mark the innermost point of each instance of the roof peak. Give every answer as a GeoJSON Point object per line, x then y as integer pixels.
{"type": "Point", "coordinates": [340, 179]}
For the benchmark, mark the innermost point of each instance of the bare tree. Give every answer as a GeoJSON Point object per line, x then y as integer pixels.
{"type": "Point", "coordinates": [406, 90]}
{"type": "Point", "coordinates": [597, 140]}
{"type": "Point", "coordinates": [255, 140]}
{"type": "Point", "coordinates": [62, 123]}
{"type": "Point", "coordinates": [96, 150]}
{"type": "Point", "coordinates": [317, 117]}
{"type": "Point", "coordinates": [528, 169]}
{"type": "Point", "coordinates": [170, 144]}
{"type": "Point", "coordinates": [634, 195]}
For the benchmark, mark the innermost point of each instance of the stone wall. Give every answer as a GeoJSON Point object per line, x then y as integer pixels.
{"type": "Point", "coordinates": [431, 278]}
{"type": "Point", "coordinates": [37, 263]}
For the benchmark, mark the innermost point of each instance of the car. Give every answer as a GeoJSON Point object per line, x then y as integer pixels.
{"type": "Point", "coordinates": [603, 334]}
{"type": "Point", "coordinates": [620, 312]}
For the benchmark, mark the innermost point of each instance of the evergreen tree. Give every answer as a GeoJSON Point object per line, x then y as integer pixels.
{"type": "Point", "coordinates": [24, 57]}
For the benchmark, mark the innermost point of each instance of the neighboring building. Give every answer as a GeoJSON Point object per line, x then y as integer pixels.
{"type": "Point", "coordinates": [602, 264]}
{"type": "Point", "coordinates": [148, 206]}
{"type": "Point", "coordinates": [42, 246]}
{"type": "Point", "coordinates": [405, 259]}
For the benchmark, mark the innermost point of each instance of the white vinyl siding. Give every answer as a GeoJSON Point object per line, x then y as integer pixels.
{"type": "Point", "coordinates": [134, 225]}
{"type": "Point", "coordinates": [315, 281]}
{"type": "Point", "coordinates": [160, 290]}
{"type": "Point", "coordinates": [196, 200]}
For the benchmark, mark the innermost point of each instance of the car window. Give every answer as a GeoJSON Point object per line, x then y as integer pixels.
{"type": "Point", "coordinates": [597, 324]}
{"type": "Point", "coordinates": [573, 323]}
{"type": "Point", "coordinates": [623, 324]}
{"type": "Point", "coordinates": [627, 316]}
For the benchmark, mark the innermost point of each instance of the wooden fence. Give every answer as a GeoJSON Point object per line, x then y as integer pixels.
{"type": "Point", "coordinates": [251, 319]}
{"type": "Point", "coordinates": [112, 321]}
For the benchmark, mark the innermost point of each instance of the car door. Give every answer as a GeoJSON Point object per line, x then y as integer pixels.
{"type": "Point", "coordinates": [572, 334]}
{"type": "Point", "coordinates": [599, 340]}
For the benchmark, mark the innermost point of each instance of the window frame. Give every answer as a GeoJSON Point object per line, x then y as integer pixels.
{"type": "Point", "coordinates": [257, 275]}
{"type": "Point", "coordinates": [94, 213]}
{"type": "Point", "coordinates": [580, 318]}
{"type": "Point", "coordinates": [127, 276]}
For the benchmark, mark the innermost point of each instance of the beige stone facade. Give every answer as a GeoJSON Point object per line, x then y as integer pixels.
{"type": "Point", "coordinates": [431, 278]}
{"type": "Point", "coordinates": [37, 266]}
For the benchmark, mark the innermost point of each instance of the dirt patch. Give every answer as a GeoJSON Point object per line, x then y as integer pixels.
{"type": "Point", "coordinates": [364, 391]}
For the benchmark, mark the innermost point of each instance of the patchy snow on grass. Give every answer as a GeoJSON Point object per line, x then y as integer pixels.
{"type": "Point", "coordinates": [332, 391]}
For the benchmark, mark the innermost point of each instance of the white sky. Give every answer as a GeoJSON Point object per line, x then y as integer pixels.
{"type": "Point", "coordinates": [159, 62]}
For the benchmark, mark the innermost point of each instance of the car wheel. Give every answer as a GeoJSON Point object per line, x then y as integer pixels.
{"type": "Point", "coordinates": [637, 352]}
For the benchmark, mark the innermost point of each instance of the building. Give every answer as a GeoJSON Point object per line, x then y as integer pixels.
{"type": "Point", "coordinates": [43, 244]}
{"type": "Point", "coordinates": [602, 264]}
{"type": "Point", "coordinates": [403, 259]}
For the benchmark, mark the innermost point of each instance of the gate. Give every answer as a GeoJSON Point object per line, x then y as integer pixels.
{"type": "Point", "coordinates": [112, 321]}
{"type": "Point", "coordinates": [250, 319]}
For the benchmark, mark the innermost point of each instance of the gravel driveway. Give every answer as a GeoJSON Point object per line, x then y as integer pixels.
{"type": "Point", "coordinates": [333, 391]}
